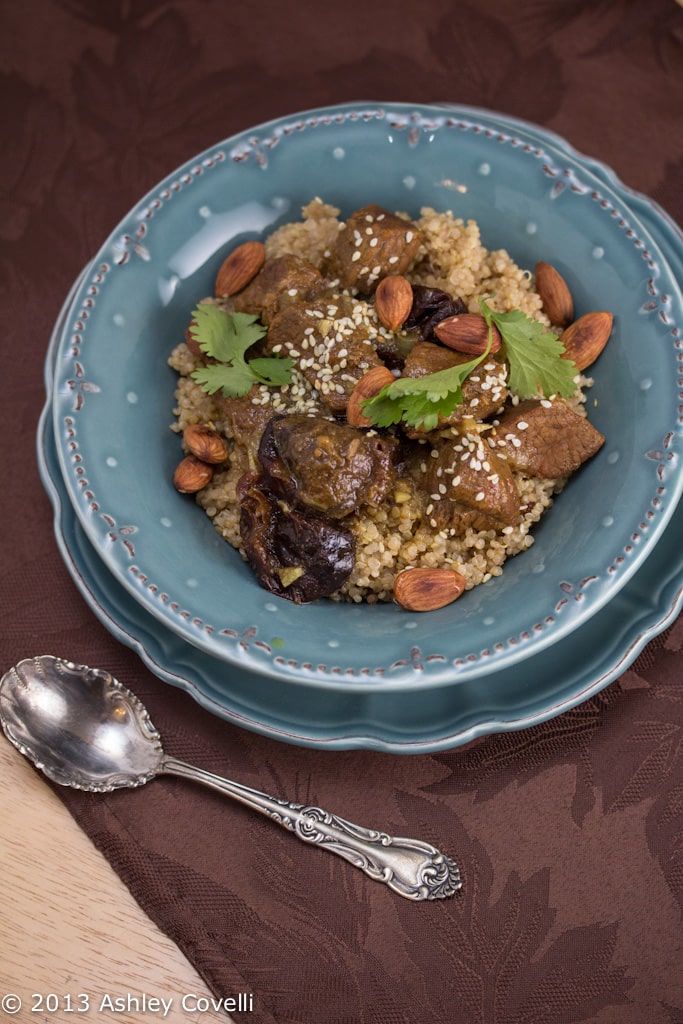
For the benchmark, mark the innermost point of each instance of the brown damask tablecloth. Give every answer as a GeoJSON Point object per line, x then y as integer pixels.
{"type": "Point", "coordinates": [570, 834]}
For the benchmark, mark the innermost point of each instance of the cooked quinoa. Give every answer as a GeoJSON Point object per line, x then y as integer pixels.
{"type": "Point", "coordinates": [402, 532]}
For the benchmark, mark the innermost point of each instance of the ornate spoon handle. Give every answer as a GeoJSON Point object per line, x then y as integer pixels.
{"type": "Point", "coordinates": [410, 867]}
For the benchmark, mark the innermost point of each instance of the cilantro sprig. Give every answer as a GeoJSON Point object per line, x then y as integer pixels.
{"type": "Point", "coordinates": [420, 401]}
{"type": "Point", "coordinates": [227, 337]}
{"type": "Point", "coordinates": [534, 355]}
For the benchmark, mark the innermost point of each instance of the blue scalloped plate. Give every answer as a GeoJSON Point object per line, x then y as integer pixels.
{"type": "Point", "coordinates": [409, 720]}
{"type": "Point", "coordinates": [531, 194]}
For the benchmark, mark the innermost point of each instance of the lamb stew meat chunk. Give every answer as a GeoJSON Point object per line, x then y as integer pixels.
{"type": "Point", "coordinates": [248, 419]}
{"type": "Point", "coordinates": [546, 439]}
{"type": "Point", "coordinates": [484, 391]}
{"type": "Point", "coordinates": [470, 485]}
{"type": "Point", "coordinates": [327, 467]}
{"type": "Point", "coordinates": [329, 348]}
{"type": "Point", "coordinates": [280, 283]}
{"type": "Point", "coordinates": [373, 244]}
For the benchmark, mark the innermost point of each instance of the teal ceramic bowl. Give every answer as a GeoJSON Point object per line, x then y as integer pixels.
{"type": "Point", "coordinates": [533, 195]}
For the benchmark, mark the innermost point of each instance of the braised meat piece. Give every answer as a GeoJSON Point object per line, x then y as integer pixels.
{"type": "Point", "coordinates": [294, 554]}
{"type": "Point", "coordinates": [328, 342]}
{"type": "Point", "coordinates": [546, 439]}
{"type": "Point", "coordinates": [326, 466]}
{"type": "Point", "coordinates": [484, 390]}
{"type": "Point", "coordinates": [372, 244]}
{"type": "Point", "coordinates": [280, 283]}
{"type": "Point", "coordinates": [248, 418]}
{"type": "Point", "coordinates": [469, 485]}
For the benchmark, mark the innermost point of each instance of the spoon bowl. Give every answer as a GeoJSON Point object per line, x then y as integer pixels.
{"type": "Point", "coordinates": [79, 725]}
{"type": "Point", "coordinates": [82, 728]}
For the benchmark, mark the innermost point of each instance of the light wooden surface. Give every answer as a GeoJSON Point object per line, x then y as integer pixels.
{"type": "Point", "coordinates": [68, 926]}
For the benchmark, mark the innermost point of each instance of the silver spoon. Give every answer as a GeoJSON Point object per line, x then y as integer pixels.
{"type": "Point", "coordinates": [83, 729]}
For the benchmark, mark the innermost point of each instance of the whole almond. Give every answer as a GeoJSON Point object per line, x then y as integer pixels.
{"type": "Point", "coordinates": [369, 385]}
{"type": "Point", "coordinates": [585, 339]}
{"type": "Point", "coordinates": [468, 333]}
{"type": "Point", "coordinates": [191, 475]}
{"type": "Point", "coordinates": [558, 304]}
{"type": "Point", "coordinates": [425, 590]}
{"type": "Point", "coordinates": [393, 301]}
{"type": "Point", "coordinates": [205, 444]}
{"type": "Point", "coordinates": [192, 342]}
{"type": "Point", "coordinates": [238, 269]}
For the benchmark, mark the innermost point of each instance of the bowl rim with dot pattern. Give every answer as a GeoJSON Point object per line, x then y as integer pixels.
{"type": "Point", "coordinates": [533, 195]}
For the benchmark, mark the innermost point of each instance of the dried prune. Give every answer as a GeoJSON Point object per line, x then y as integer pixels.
{"type": "Point", "coordinates": [294, 554]}
{"type": "Point", "coordinates": [390, 355]}
{"type": "Point", "coordinates": [430, 306]}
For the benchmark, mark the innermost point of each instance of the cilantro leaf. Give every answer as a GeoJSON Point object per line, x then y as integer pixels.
{"type": "Point", "coordinates": [275, 372]}
{"type": "Point", "coordinates": [233, 381]}
{"type": "Point", "coordinates": [420, 401]}
{"type": "Point", "coordinates": [224, 336]}
{"type": "Point", "coordinates": [227, 337]}
{"type": "Point", "coordinates": [534, 355]}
